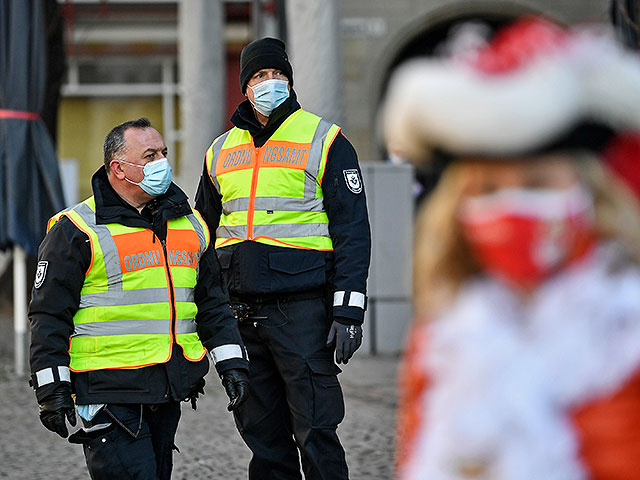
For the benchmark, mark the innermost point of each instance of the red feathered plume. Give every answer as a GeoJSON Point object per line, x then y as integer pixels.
{"type": "Point", "coordinates": [518, 43]}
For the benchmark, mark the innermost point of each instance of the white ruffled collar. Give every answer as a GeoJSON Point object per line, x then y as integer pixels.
{"type": "Point", "coordinates": [503, 373]}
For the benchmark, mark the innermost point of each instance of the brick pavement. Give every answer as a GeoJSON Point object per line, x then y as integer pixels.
{"type": "Point", "coordinates": [213, 449]}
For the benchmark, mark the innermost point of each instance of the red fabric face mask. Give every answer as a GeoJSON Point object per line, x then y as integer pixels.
{"type": "Point", "coordinates": [524, 235]}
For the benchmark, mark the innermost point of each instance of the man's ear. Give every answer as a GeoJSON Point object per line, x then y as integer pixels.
{"type": "Point", "coordinates": [116, 169]}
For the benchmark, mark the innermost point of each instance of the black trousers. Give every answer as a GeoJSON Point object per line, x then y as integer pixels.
{"type": "Point", "coordinates": [138, 445]}
{"type": "Point", "coordinates": [296, 401]}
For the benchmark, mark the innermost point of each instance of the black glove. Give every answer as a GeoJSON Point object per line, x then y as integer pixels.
{"type": "Point", "coordinates": [54, 408]}
{"type": "Point", "coordinates": [236, 384]}
{"type": "Point", "coordinates": [195, 393]}
{"type": "Point", "coordinates": [347, 339]}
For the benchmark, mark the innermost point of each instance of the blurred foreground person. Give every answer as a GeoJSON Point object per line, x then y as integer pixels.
{"type": "Point", "coordinates": [127, 295]}
{"type": "Point", "coordinates": [524, 360]}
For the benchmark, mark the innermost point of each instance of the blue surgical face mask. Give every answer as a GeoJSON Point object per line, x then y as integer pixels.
{"type": "Point", "coordinates": [269, 94]}
{"type": "Point", "coordinates": [157, 176]}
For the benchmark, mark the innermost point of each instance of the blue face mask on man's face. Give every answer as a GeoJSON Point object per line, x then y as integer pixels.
{"type": "Point", "coordinates": [157, 176]}
{"type": "Point", "coordinates": [269, 94]}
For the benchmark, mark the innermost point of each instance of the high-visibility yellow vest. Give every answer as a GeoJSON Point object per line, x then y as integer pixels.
{"type": "Point", "coordinates": [138, 293]}
{"type": "Point", "coordinates": [273, 194]}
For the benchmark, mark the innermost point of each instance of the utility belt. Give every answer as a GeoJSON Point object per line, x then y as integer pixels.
{"type": "Point", "coordinates": [243, 305]}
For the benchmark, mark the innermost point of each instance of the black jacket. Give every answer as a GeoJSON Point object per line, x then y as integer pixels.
{"type": "Point", "coordinates": [55, 300]}
{"type": "Point", "coordinates": [255, 268]}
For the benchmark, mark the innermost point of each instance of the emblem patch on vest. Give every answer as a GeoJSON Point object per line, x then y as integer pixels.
{"type": "Point", "coordinates": [41, 272]}
{"type": "Point", "coordinates": [352, 178]}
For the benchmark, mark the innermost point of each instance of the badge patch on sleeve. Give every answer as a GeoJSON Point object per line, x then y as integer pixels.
{"type": "Point", "coordinates": [352, 178]}
{"type": "Point", "coordinates": [41, 272]}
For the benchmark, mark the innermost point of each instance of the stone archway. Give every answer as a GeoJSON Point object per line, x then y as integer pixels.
{"type": "Point", "coordinates": [428, 36]}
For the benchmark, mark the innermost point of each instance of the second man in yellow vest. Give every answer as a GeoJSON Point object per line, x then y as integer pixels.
{"type": "Point", "coordinates": [128, 294]}
{"type": "Point", "coordinates": [283, 193]}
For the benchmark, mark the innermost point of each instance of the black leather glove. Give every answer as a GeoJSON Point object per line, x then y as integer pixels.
{"type": "Point", "coordinates": [195, 393]}
{"type": "Point", "coordinates": [236, 384]}
{"type": "Point", "coordinates": [347, 339]}
{"type": "Point", "coordinates": [54, 408]}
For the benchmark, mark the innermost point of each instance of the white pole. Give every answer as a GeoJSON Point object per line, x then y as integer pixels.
{"type": "Point", "coordinates": [19, 307]}
{"type": "Point", "coordinates": [202, 85]}
{"type": "Point", "coordinates": [168, 94]}
{"type": "Point", "coordinates": [313, 45]}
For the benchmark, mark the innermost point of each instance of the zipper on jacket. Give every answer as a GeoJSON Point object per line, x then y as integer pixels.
{"type": "Point", "coordinates": [171, 292]}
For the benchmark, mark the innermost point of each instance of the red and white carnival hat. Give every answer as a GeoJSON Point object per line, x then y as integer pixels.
{"type": "Point", "coordinates": [531, 87]}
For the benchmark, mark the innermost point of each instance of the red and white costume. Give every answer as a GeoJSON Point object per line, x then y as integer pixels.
{"type": "Point", "coordinates": [548, 388]}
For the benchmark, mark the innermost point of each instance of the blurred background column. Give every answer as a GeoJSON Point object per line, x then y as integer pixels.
{"type": "Point", "coordinates": [267, 19]}
{"type": "Point", "coordinates": [625, 17]}
{"type": "Point", "coordinates": [201, 47]}
{"type": "Point", "coordinates": [313, 45]}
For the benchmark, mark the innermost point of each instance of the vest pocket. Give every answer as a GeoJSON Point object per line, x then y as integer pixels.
{"type": "Point", "coordinates": [298, 270]}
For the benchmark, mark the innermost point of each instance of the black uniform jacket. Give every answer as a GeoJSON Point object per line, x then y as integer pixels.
{"type": "Point", "coordinates": [253, 268]}
{"type": "Point", "coordinates": [55, 301]}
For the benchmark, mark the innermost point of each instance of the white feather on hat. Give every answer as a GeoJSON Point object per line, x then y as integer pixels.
{"type": "Point", "coordinates": [464, 109]}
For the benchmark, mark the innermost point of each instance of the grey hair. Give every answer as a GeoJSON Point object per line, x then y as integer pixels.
{"type": "Point", "coordinates": [115, 144]}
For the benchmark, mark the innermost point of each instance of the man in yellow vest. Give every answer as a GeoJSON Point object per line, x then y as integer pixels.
{"type": "Point", "coordinates": [127, 299]}
{"type": "Point", "coordinates": [283, 193]}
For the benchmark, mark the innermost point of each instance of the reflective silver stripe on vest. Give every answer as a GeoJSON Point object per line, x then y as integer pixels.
{"type": "Point", "coordinates": [315, 159]}
{"type": "Point", "coordinates": [216, 149]}
{"type": "Point", "coordinates": [240, 204]}
{"type": "Point", "coordinates": [289, 230]}
{"type": "Point", "coordinates": [197, 226]}
{"type": "Point", "coordinates": [281, 230]}
{"type": "Point", "coordinates": [237, 231]}
{"type": "Point", "coordinates": [184, 294]}
{"type": "Point", "coordinates": [133, 327]}
{"type": "Point", "coordinates": [201, 236]}
{"type": "Point", "coordinates": [107, 244]}
{"type": "Point", "coordinates": [134, 297]}
{"type": "Point", "coordinates": [282, 204]}
{"type": "Point", "coordinates": [185, 325]}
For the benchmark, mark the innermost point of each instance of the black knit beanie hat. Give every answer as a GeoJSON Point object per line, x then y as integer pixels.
{"type": "Point", "coordinates": [263, 53]}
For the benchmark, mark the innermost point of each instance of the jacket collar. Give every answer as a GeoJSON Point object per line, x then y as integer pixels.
{"type": "Point", "coordinates": [112, 208]}
{"type": "Point", "coordinates": [245, 119]}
